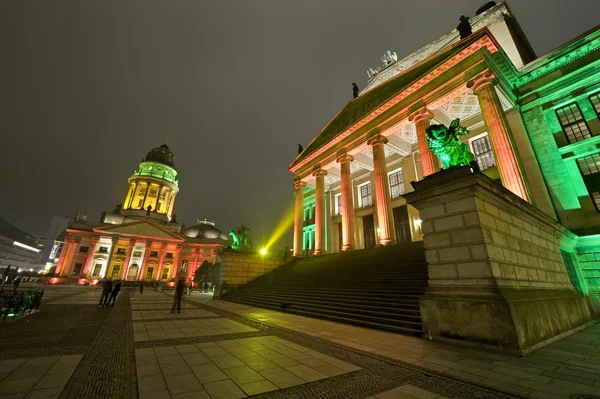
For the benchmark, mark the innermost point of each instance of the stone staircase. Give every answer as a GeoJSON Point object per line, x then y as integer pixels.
{"type": "Point", "coordinates": [376, 288]}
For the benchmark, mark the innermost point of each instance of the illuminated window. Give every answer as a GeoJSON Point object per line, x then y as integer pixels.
{"type": "Point", "coordinates": [396, 183]}
{"type": "Point", "coordinates": [596, 198]}
{"type": "Point", "coordinates": [595, 100]}
{"type": "Point", "coordinates": [137, 254]}
{"type": "Point", "coordinates": [121, 251]}
{"type": "Point", "coordinates": [483, 152]}
{"type": "Point", "coordinates": [103, 250]}
{"type": "Point", "coordinates": [590, 164]}
{"type": "Point", "coordinates": [115, 271]}
{"type": "Point", "coordinates": [165, 274]}
{"type": "Point", "coordinates": [169, 255]}
{"type": "Point", "coordinates": [149, 273]}
{"type": "Point", "coordinates": [365, 195]}
{"type": "Point", "coordinates": [153, 192]}
{"type": "Point", "coordinates": [77, 269]}
{"type": "Point", "coordinates": [338, 204]}
{"type": "Point", "coordinates": [572, 123]}
{"type": "Point", "coordinates": [153, 254]}
{"type": "Point", "coordinates": [84, 249]}
{"type": "Point", "coordinates": [97, 269]}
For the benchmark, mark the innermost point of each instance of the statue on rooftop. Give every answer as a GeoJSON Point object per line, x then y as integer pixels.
{"type": "Point", "coordinates": [464, 27]}
{"type": "Point", "coordinates": [446, 145]}
{"type": "Point", "coordinates": [300, 149]}
{"type": "Point", "coordinates": [355, 90]}
{"type": "Point", "coordinates": [241, 238]}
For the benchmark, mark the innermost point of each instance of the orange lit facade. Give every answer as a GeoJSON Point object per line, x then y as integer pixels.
{"type": "Point", "coordinates": [141, 239]}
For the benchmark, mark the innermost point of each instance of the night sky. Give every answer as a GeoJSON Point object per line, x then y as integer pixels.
{"type": "Point", "coordinates": [88, 88]}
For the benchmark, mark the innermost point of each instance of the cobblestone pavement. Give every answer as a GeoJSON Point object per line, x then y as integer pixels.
{"type": "Point", "coordinates": [219, 350]}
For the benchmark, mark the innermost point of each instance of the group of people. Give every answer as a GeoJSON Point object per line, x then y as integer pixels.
{"type": "Point", "coordinates": [109, 293]}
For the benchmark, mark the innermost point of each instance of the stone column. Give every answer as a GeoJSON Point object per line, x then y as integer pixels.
{"type": "Point", "coordinates": [111, 251]}
{"type": "Point", "coordinates": [298, 217]}
{"type": "Point", "coordinates": [68, 265]}
{"type": "Point", "coordinates": [133, 192]}
{"type": "Point", "coordinates": [145, 261]}
{"type": "Point", "coordinates": [176, 267]}
{"type": "Point", "coordinates": [319, 175]}
{"type": "Point", "coordinates": [64, 255]}
{"type": "Point", "coordinates": [429, 161]}
{"type": "Point", "coordinates": [148, 183]}
{"type": "Point", "coordinates": [171, 204]}
{"type": "Point", "coordinates": [127, 259]}
{"type": "Point", "coordinates": [382, 190]}
{"type": "Point", "coordinates": [500, 135]}
{"type": "Point", "coordinates": [347, 202]}
{"type": "Point", "coordinates": [160, 261]}
{"type": "Point", "coordinates": [88, 261]}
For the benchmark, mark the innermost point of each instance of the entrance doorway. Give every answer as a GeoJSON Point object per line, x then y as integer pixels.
{"type": "Point", "coordinates": [369, 231]}
{"type": "Point", "coordinates": [132, 272]}
{"type": "Point", "coordinates": [402, 224]}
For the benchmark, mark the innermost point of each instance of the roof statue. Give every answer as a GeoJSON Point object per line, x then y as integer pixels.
{"type": "Point", "coordinates": [446, 145]}
{"type": "Point", "coordinates": [388, 58]}
{"type": "Point", "coordinates": [241, 238]}
{"type": "Point", "coordinates": [464, 27]}
{"type": "Point", "coordinates": [300, 149]}
{"type": "Point", "coordinates": [355, 90]}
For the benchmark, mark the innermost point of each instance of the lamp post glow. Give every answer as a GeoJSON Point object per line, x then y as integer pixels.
{"type": "Point", "coordinates": [263, 251]}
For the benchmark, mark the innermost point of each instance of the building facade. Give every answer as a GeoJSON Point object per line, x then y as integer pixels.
{"type": "Point", "coordinates": [141, 239]}
{"type": "Point", "coordinates": [534, 127]}
{"type": "Point", "coordinates": [18, 249]}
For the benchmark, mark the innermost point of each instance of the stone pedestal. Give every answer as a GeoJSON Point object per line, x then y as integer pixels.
{"type": "Point", "coordinates": [496, 275]}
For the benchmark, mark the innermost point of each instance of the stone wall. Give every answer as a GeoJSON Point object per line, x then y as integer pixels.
{"type": "Point", "coordinates": [241, 267]}
{"type": "Point", "coordinates": [496, 274]}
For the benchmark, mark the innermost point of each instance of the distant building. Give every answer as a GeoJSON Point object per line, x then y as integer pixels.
{"type": "Point", "coordinates": [18, 249]}
{"type": "Point", "coordinates": [141, 239]}
{"type": "Point", "coordinates": [57, 226]}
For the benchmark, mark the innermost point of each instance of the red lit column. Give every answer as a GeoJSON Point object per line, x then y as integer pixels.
{"type": "Point", "coordinates": [127, 259]}
{"type": "Point", "coordinates": [429, 161]}
{"type": "Point", "coordinates": [145, 261]}
{"type": "Point", "coordinates": [160, 261]}
{"type": "Point", "coordinates": [382, 190]}
{"type": "Point", "coordinates": [176, 266]}
{"type": "Point", "coordinates": [65, 255]}
{"type": "Point", "coordinates": [347, 202]}
{"type": "Point", "coordinates": [298, 217]}
{"type": "Point", "coordinates": [500, 135]}
{"type": "Point", "coordinates": [319, 175]}
{"type": "Point", "coordinates": [88, 261]}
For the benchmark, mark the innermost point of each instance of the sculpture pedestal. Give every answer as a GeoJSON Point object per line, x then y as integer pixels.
{"type": "Point", "coordinates": [496, 275]}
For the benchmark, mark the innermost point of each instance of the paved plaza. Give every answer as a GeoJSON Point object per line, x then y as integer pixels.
{"type": "Point", "coordinates": [217, 349]}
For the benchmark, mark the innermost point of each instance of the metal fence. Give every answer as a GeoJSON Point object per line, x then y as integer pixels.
{"type": "Point", "coordinates": [19, 301]}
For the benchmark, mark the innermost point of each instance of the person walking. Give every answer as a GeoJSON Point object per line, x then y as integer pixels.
{"type": "Point", "coordinates": [178, 296]}
{"type": "Point", "coordinates": [106, 291]}
{"type": "Point", "coordinates": [115, 292]}
{"type": "Point", "coordinates": [141, 287]}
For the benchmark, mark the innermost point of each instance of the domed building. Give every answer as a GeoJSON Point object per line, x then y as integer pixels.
{"type": "Point", "coordinates": [141, 239]}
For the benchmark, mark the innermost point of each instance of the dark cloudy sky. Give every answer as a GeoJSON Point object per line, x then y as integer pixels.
{"type": "Point", "coordinates": [87, 88]}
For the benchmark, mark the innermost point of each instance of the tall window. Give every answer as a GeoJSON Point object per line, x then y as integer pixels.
{"type": "Point", "coordinates": [338, 204]}
{"type": "Point", "coordinates": [595, 100]}
{"type": "Point", "coordinates": [97, 269]}
{"type": "Point", "coordinates": [115, 271]}
{"type": "Point", "coordinates": [572, 123]}
{"type": "Point", "coordinates": [149, 273]}
{"type": "Point", "coordinates": [596, 198]}
{"type": "Point", "coordinates": [590, 171]}
{"type": "Point", "coordinates": [103, 250]}
{"type": "Point", "coordinates": [396, 183]}
{"type": "Point", "coordinates": [366, 197]}
{"type": "Point", "coordinates": [483, 152]}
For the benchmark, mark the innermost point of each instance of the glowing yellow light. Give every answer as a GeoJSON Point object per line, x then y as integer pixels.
{"type": "Point", "coordinates": [285, 223]}
{"type": "Point", "coordinates": [263, 251]}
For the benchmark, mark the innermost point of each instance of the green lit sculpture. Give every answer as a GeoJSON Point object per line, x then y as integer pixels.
{"type": "Point", "coordinates": [446, 145]}
{"type": "Point", "coordinates": [241, 238]}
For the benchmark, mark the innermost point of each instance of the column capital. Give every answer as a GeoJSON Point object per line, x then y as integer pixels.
{"type": "Point", "coordinates": [77, 239]}
{"type": "Point", "coordinates": [95, 239]}
{"type": "Point", "coordinates": [377, 139]}
{"type": "Point", "coordinates": [164, 245]}
{"type": "Point", "coordinates": [317, 171]}
{"type": "Point", "coordinates": [299, 184]}
{"type": "Point", "coordinates": [485, 78]}
{"type": "Point", "coordinates": [114, 240]}
{"type": "Point", "coordinates": [344, 158]}
{"type": "Point", "coordinates": [69, 239]}
{"type": "Point", "coordinates": [131, 243]}
{"type": "Point", "coordinates": [420, 115]}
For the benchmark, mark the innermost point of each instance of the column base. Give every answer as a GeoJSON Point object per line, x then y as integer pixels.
{"type": "Point", "coordinates": [386, 241]}
{"type": "Point", "coordinates": [347, 247]}
{"type": "Point", "coordinates": [516, 321]}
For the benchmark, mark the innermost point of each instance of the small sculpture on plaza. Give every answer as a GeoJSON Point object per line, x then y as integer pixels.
{"type": "Point", "coordinates": [241, 238]}
{"type": "Point", "coordinates": [464, 27]}
{"type": "Point", "coordinates": [446, 145]}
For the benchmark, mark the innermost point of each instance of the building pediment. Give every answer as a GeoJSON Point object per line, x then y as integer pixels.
{"type": "Point", "coordinates": [140, 230]}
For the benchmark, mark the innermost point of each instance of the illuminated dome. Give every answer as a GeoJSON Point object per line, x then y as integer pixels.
{"type": "Point", "coordinates": [162, 155]}
{"type": "Point", "coordinates": [204, 229]}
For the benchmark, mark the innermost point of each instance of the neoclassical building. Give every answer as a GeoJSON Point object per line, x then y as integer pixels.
{"type": "Point", "coordinates": [141, 239]}
{"type": "Point", "coordinates": [533, 125]}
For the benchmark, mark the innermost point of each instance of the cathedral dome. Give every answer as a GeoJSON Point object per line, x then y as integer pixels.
{"type": "Point", "coordinates": [162, 155]}
{"type": "Point", "coordinates": [204, 229]}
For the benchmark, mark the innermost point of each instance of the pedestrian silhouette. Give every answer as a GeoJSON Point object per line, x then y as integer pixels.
{"type": "Point", "coordinates": [115, 292]}
{"type": "Point", "coordinates": [178, 296]}
{"type": "Point", "coordinates": [106, 291]}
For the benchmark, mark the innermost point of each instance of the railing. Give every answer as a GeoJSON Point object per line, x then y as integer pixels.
{"type": "Point", "coordinates": [15, 301]}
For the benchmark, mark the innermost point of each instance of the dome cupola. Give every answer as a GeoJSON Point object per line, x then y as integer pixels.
{"type": "Point", "coordinates": [204, 229]}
